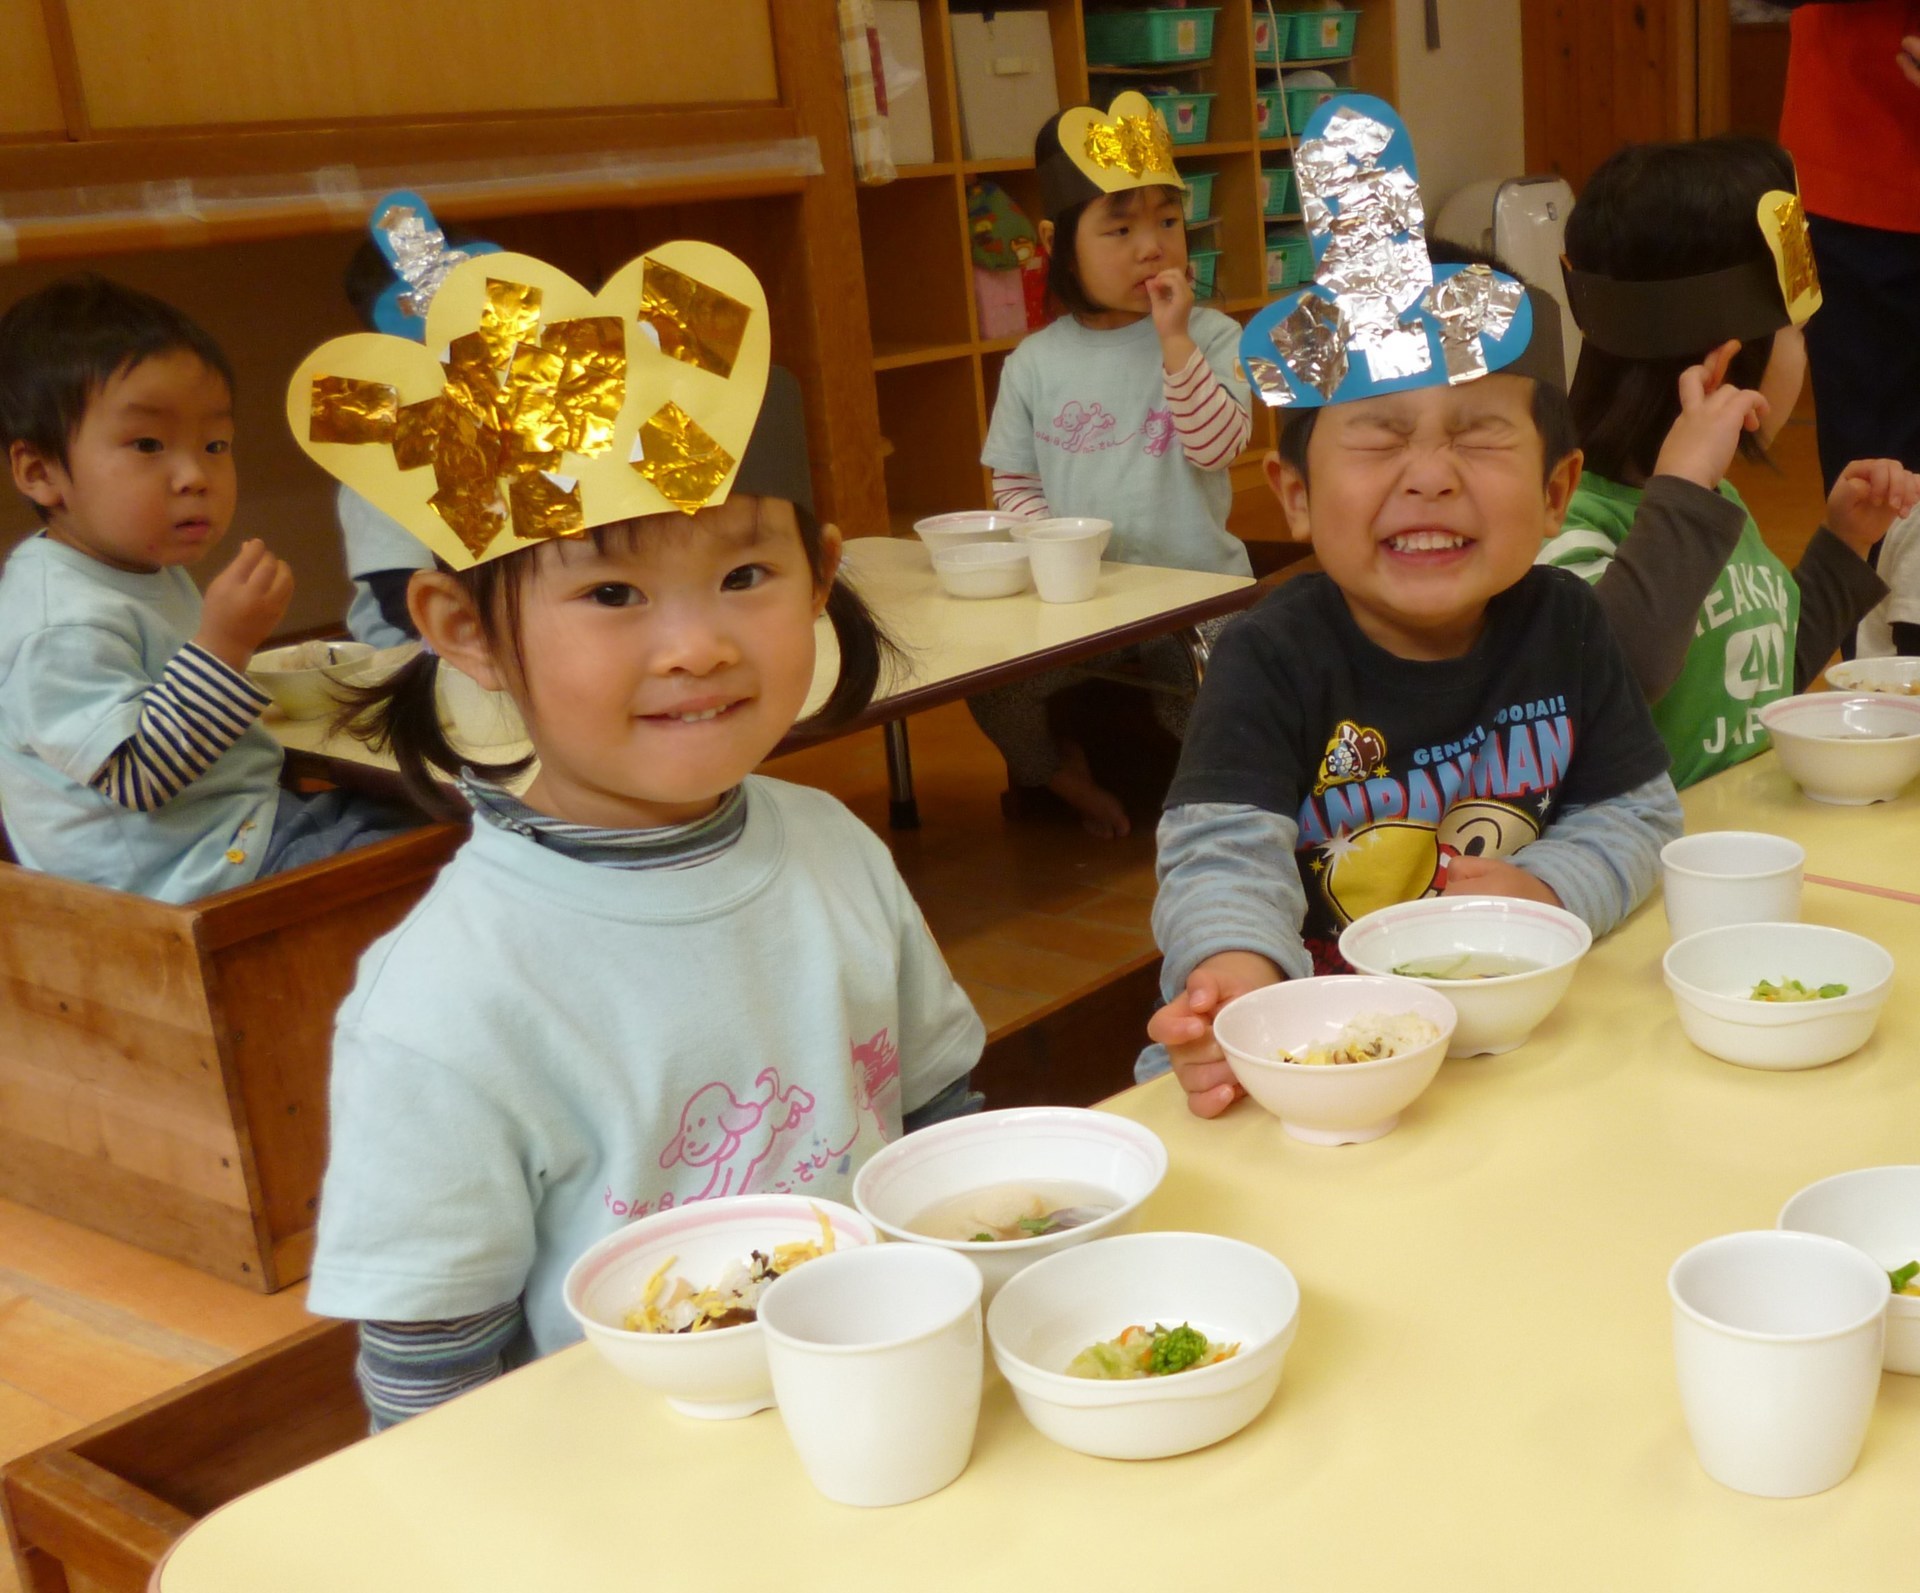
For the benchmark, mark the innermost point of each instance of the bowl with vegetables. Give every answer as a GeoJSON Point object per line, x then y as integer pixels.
{"type": "Point", "coordinates": [1503, 963]}
{"type": "Point", "coordinates": [1850, 748]}
{"type": "Point", "coordinates": [1894, 676]}
{"type": "Point", "coordinates": [1145, 1345]}
{"type": "Point", "coordinates": [1779, 996]}
{"type": "Point", "coordinates": [1007, 1188]}
{"type": "Point", "coordinates": [1875, 1209]}
{"type": "Point", "coordinates": [671, 1300]}
{"type": "Point", "coordinates": [1338, 1058]}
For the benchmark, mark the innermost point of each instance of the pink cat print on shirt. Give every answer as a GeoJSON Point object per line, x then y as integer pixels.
{"type": "Point", "coordinates": [1092, 428]}
{"type": "Point", "coordinates": [732, 1137]}
{"type": "Point", "coordinates": [1157, 435]}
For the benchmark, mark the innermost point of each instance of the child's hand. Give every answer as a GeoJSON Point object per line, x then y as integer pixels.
{"type": "Point", "coordinates": [1185, 1027]}
{"type": "Point", "coordinates": [1700, 444]}
{"type": "Point", "coordinates": [1490, 876]}
{"type": "Point", "coordinates": [1908, 59]}
{"type": "Point", "coordinates": [1170, 297]}
{"type": "Point", "coordinates": [1869, 496]}
{"type": "Point", "coordinates": [243, 604]}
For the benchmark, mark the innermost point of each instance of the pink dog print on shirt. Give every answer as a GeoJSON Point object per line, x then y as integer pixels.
{"type": "Point", "coordinates": [733, 1137]}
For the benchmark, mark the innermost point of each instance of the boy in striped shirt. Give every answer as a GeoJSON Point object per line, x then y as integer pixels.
{"type": "Point", "coordinates": [131, 753]}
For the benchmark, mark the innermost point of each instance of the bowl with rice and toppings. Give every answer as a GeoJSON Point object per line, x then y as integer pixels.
{"type": "Point", "coordinates": [1337, 1059]}
{"type": "Point", "coordinates": [670, 1300]}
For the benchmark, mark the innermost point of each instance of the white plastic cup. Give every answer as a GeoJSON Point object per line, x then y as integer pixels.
{"type": "Point", "coordinates": [877, 1360]}
{"type": "Point", "coordinates": [1066, 559]}
{"type": "Point", "coordinates": [1777, 1339]}
{"type": "Point", "coordinates": [1722, 877]}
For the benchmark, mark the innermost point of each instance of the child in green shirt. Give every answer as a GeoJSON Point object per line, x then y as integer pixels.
{"type": "Point", "coordinates": [1690, 274]}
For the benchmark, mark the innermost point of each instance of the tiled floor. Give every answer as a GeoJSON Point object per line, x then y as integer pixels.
{"type": "Point", "coordinates": [1026, 912]}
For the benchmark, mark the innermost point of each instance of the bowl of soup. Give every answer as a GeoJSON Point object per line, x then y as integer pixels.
{"type": "Point", "coordinates": [1006, 1188]}
{"type": "Point", "coordinates": [301, 677]}
{"type": "Point", "coordinates": [1851, 748]}
{"type": "Point", "coordinates": [1503, 963]}
{"type": "Point", "coordinates": [1891, 676]}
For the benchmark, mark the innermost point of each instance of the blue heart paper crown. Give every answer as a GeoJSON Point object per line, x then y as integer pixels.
{"type": "Point", "coordinates": [1379, 317]}
{"type": "Point", "coordinates": [405, 231]}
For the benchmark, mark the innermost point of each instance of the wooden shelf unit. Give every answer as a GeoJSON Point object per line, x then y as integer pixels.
{"type": "Point", "coordinates": [914, 241]}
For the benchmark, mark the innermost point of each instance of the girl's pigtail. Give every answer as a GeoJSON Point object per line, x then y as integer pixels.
{"type": "Point", "coordinates": [865, 651]}
{"type": "Point", "coordinates": [401, 715]}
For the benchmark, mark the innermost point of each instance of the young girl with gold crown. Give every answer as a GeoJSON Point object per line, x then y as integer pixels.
{"type": "Point", "coordinates": [650, 976]}
{"type": "Point", "coordinates": [1127, 408]}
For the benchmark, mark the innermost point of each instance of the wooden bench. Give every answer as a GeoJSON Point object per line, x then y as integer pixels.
{"type": "Point", "coordinates": [96, 1511]}
{"type": "Point", "coordinates": [163, 1069]}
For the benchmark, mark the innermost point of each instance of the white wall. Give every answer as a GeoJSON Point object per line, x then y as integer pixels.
{"type": "Point", "coordinates": [1462, 102]}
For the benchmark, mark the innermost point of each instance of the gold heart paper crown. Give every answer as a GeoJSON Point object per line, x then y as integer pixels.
{"type": "Point", "coordinates": [1678, 317]}
{"type": "Point", "coordinates": [1106, 152]}
{"type": "Point", "coordinates": [535, 409]}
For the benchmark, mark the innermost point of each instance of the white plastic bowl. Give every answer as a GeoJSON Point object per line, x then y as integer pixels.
{"type": "Point", "coordinates": [300, 678]}
{"type": "Point", "coordinates": [1030, 1144]}
{"type": "Point", "coordinates": [1890, 676]}
{"type": "Point", "coordinates": [1230, 1291]}
{"type": "Point", "coordinates": [1497, 1014]}
{"type": "Point", "coordinates": [1875, 1209]}
{"type": "Point", "coordinates": [1846, 748]}
{"type": "Point", "coordinates": [715, 1375]}
{"type": "Point", "coordinates": [983, 569]}
{"type": "Point", "coordinates": [1711, 975]}
{"type": "Point", "coordinates": [969, 527]}
{"type": "Point", "coordinates": [1066, 526]}
{"type": "Point", "coordinates": [1344, 1104]}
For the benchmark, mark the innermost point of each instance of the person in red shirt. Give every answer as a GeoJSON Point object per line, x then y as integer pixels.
{"type": "Point", "coordinates": [1852, 122]}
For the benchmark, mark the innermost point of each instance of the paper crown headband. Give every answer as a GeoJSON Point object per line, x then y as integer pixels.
{"type": "Point", "coordinates": [1681, 316]}
{"type": "Point", "coordinates": [1107, 152]}
{"type": "Point", "coordinates": [406, 233]}
{"type": "Point", "coordinates": [548, 410]}
{"type": "Point", "coordinates": [1379, 316]}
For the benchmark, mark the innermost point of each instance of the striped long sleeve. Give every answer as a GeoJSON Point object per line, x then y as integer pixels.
{"type": "Point", "coordinates": [1213, 426]}
{"type": "Point", "coordinates": [1021, 495]}
{"type": "Point", "coordinates": [197, 709]}
{"type": "Point", "coordinates": [1603, 859]}
{"type": "Point", "coordinates": [409, 1367]}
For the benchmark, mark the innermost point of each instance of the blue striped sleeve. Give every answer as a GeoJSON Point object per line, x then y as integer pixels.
{"type": "Point", "coordinates": [197, 709]}
{"type": "Point", "coordinates": [1602, 860]}
{"type": "Point", "coordinates": [409, 1367]}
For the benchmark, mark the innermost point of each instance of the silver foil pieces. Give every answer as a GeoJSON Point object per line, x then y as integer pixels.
{"type": "Point", "coordinates": [421, 258]}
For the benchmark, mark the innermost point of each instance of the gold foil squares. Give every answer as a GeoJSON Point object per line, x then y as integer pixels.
{"type": "Point", "coordinates": [349, 411]}
{"type": "Point", "coordinates": [695, 323]}
{"type": "Point", "coordinates": [685, 465]}
{"type": "Point", "coordinates": [1132, 144]}
{"type": "Point", "coordinates": [511, 316]}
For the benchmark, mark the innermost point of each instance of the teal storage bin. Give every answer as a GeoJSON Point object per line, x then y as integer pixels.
{"type": "Point", "coordinates": [1198, 200]}
{"type": "Point", "coordinates": [1302, 103]}
{"type": "Point", "coordinates": [1206, 271]}
{"type": "Point", "coordinates": [1149, 38]}
{"type": "Point", "coordinates": [1289, 258]}
{"type": "Point", "coordinates": [1267, 114]}
{"type": "Point", "coordinates": [1270, 35]}
{"type": "Point", "coordinates": [1319, 35]}
{"type": "Point", "coordinates": [1186, 115]}
{"type": "Point", "coordinates": [1277, 193]}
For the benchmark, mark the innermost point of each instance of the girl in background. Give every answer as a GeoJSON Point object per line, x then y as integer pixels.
{"type": "Point", "coordinates": [1127, 408]}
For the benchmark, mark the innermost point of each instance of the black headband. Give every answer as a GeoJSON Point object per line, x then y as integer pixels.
{"type": "Point", "coordinates": [1680, 317]}
{"type": "Point", "coordinates": [775, 464]}
{"type": "Point", "coordinates": [1545, 356]}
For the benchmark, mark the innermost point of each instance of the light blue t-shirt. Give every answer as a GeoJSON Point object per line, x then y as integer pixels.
{"type": "Point", "coordinates": [373, 540]}
{"type": "Point", "coordinates": [548, 1048]}
{"type": "Point", "coordinates": [1087, 413]}
{"type": "Point", "coordinates": [80, 643]}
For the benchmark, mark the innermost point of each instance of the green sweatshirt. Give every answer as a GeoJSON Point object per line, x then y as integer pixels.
{"type": "Point", "coordinates": [1742, 653]}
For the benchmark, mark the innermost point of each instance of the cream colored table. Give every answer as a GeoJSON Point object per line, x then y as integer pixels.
{"type": "Point", "coordinates": [1877, 846]}
{"type": "Point", "coordinates": [952, 647]}
{"type": "Point", "coordinates": [1480, 1397]}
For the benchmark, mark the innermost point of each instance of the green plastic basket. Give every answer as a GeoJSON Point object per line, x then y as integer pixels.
{"type": "Point", "coordinates": [1277, 194]}
{"type": "Point", "coordinates": [1267, 114]}
{"type": "Point", "coordinates": [1289, 259]}
{"type": "Point", "coordinates": [1186, 115]}
{"type": "Point", "coordinates": [1149, 38]}
{"type": "Point", "coordinates": [1198, 200]}
{"type": "Point", "coordinates": [1206, 271]}
{"type": "Point", "coordinates": [1270, 35]}
{"type": "Point", "coordinates": [1319, 35]}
